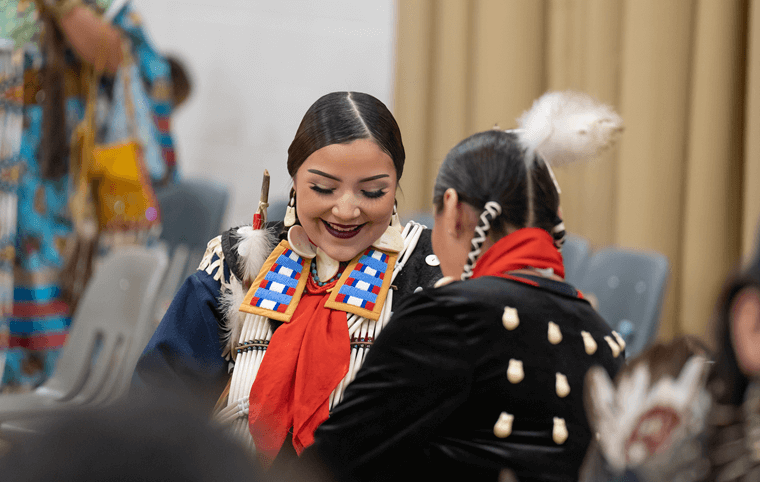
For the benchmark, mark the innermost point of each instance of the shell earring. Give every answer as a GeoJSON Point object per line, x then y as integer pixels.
{"type": "Point", "coordinates": [290, 212]}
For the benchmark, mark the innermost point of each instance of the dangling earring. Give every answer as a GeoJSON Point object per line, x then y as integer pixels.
{"type": "Point", "coordinates": [290, 212]}
{"type": "Point", "coordinates": [391, 240]}
{"type": "Point", "coordinates": [395, 221]}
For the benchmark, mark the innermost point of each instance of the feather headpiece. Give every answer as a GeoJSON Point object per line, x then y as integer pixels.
{"type": "Point", "coordinates": [564, 127]}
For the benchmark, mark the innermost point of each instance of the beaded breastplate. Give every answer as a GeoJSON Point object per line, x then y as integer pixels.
{"type": "Point", "coordinates": [361, 289]}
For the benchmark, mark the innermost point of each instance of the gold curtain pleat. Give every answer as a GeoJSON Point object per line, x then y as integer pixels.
{"type": "Point", "coordinates": [751, 180]}
{"type": "Point", "coordinates": [685, 76]}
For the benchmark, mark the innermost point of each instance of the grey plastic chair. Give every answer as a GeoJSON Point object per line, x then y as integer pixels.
{"type": "Point", "coordinates": [105, 340]}
{"type": "Point", "coordinates": [575, 253]}
{"type": "Point", "coordinates": [192, 213]}
{"type": "Point", "coordinates": [629, 286]}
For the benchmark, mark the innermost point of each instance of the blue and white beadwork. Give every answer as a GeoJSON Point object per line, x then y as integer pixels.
{"type": "Point", "coordinates": [364, 282]}
{"type": "Point", "coordinates": [276, 291]}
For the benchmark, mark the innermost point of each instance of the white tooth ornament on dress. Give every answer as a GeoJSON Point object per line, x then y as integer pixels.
{"type": "Point", "coordinates": [588, 343]}
{"type": "Point", "coordinates": [510, 318]}
{"type": "Point", "coordinates": [390, 241]}
{"type": "Point", "coordinates": [619, 339]}
{"type": "Point", "coordinates": [326, 266]}
{"type": "Point", "coordinates": [444, 281]}
{"type": "Point", "coordinates": [613, 346]}
{"type": "Point", "coordinates": [554, 334]}
{"type": "Point", "coordinates": [515, 373]}
{"type": "Point", "coordinates": [503, 427]}
{"type": "Point", "coordinates": [299, 242]}
{"type": "Point", "coordinates": [559, 431]}
{"type": "Point", "coordinates": [561, 386]}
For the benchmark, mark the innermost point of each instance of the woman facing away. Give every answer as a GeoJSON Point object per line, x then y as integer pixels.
{"type": "Point", "coordinates": [311, 296]}
{"type": "Point", "coordinates": [486, 374]}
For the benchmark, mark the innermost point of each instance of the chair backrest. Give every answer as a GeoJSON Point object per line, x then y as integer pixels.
{"type": "Point", "coordinates": [575, 253]}
{"type": "Point", "coordinates": [106, 334]}
{"type": "Point", "coordinates": [192, 213]}
{"type": "Point", "coordinates": [629, 287]}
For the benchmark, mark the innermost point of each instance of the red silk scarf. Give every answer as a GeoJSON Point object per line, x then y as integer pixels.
{"type": "Point", "coordinates": [524, 248]}
{"type": "Point", "coordinates": [305, 361]}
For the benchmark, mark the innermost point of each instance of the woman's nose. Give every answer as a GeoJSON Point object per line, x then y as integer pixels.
{"type": "Point", "coordinates": [346, 208]}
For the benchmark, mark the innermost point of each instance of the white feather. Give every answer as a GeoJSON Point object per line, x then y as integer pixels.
{"type": "Point", "coordinates": [232, 320]}
{"type": "Point", "coordinates": [564, 127]}
{"type": "Point", "coordinates": [253, 247]}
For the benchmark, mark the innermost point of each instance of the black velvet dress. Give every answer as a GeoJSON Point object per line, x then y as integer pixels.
{"type": "Point", "coordinates": [425, 403]}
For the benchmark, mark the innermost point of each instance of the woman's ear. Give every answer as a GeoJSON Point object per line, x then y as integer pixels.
{"type": "Point", "coordinates": [745, 329]}
{"type": "Point", "coordinates": [451, 213]}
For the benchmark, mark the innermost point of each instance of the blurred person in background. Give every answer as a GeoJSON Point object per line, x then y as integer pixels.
{"type": "Point", "coordinates": [673, 415]}
{"type": "Point", "coordinates": [46, 45]}
{"type": "Point", "coordinates": [134, 440]}
{"type": "Point", "coordinates": [482, 376]}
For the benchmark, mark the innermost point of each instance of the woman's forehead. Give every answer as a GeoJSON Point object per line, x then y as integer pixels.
{"type": "Point", "coordinates": [362, 158]}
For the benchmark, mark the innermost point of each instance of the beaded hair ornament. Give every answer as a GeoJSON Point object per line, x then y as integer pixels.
{"type": "Point", "coordinates": [560, 128]}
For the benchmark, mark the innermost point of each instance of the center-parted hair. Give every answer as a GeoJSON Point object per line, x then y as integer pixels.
{"type": "Point", "coordinates": [341, 118]}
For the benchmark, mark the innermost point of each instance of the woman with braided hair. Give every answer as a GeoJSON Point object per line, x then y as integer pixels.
{"type": "Point", "coordinates": [485, 374]}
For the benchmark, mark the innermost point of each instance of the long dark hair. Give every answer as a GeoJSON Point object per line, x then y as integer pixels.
{"type": "Point", "coordinates": [491, 166]}
{"type": "Point", "coordinates": [343, 117]}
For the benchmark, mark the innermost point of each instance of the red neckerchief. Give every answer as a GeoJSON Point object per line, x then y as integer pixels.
{"type": "Point", "coordinates": [524, 248]}
{"type": "Point", "coordinates": [305, 361]}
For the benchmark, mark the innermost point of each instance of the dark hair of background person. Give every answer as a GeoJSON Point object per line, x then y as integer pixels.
{"type": "Point", "coordinates": [341, 118]}
{"type": "Point", "coordinates": [490, 166]}
{"type": "Point", "coordinates": [181, 83]}
{"type": "Point", "coordinates": [139, 439]}
{"type": "Point", "coordinates": [727, 381]}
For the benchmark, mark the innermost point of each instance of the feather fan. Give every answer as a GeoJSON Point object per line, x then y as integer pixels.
{"type": "Point", "coordinates": [564, 127]}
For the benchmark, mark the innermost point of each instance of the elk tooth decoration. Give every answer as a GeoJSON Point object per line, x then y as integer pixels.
{"type": "Point", "coordinates": [444, 281]}
{"type": "Point", "coordinates": [515, 372]}
{"type": "Point", "coordinates": [559, 432]}
{"type": "Point", "coordinates": [510, 318]}
{"type": "Point", "coordinates": [619, 339]}
{"type": "Point", "coordinates": [326, 266]}
{"type": "Point", "coordinates": [613, 346]}
{"type": "Point", "coordinates": [562, 386]}
{"type": "Point", "coordinates": [555, 335]}
{"type": "Point", "coordinates": [300, 244]}
{"type": "Point", "coordinates": [503, 426]}
{"type": "Point", "coordinates": [589, 343]}
{"type": "Point", "coordinates": [391, 240]}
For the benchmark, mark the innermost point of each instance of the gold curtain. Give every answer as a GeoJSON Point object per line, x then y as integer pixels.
{"type": "Point", "coordinates": [685, 76]}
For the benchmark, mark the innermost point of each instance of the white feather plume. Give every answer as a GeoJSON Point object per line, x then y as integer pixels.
{"type": "Point", "coordinates": [564, 127]}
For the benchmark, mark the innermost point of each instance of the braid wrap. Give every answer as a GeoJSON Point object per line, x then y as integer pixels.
{"type": "Point", "coordinates": [491, 211]}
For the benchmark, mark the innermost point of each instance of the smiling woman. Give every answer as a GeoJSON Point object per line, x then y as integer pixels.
{"type": "Point", "coordinates": [311, 294]}
{"type": "Point", "coordinates": [346, 193]}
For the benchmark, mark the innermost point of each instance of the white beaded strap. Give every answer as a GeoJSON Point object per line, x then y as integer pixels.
{"type": "Point", "coordinates": [491, 210]}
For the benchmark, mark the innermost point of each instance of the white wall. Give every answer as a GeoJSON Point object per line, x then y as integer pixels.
{"type": "Point", "coordinates": [256, 66]}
